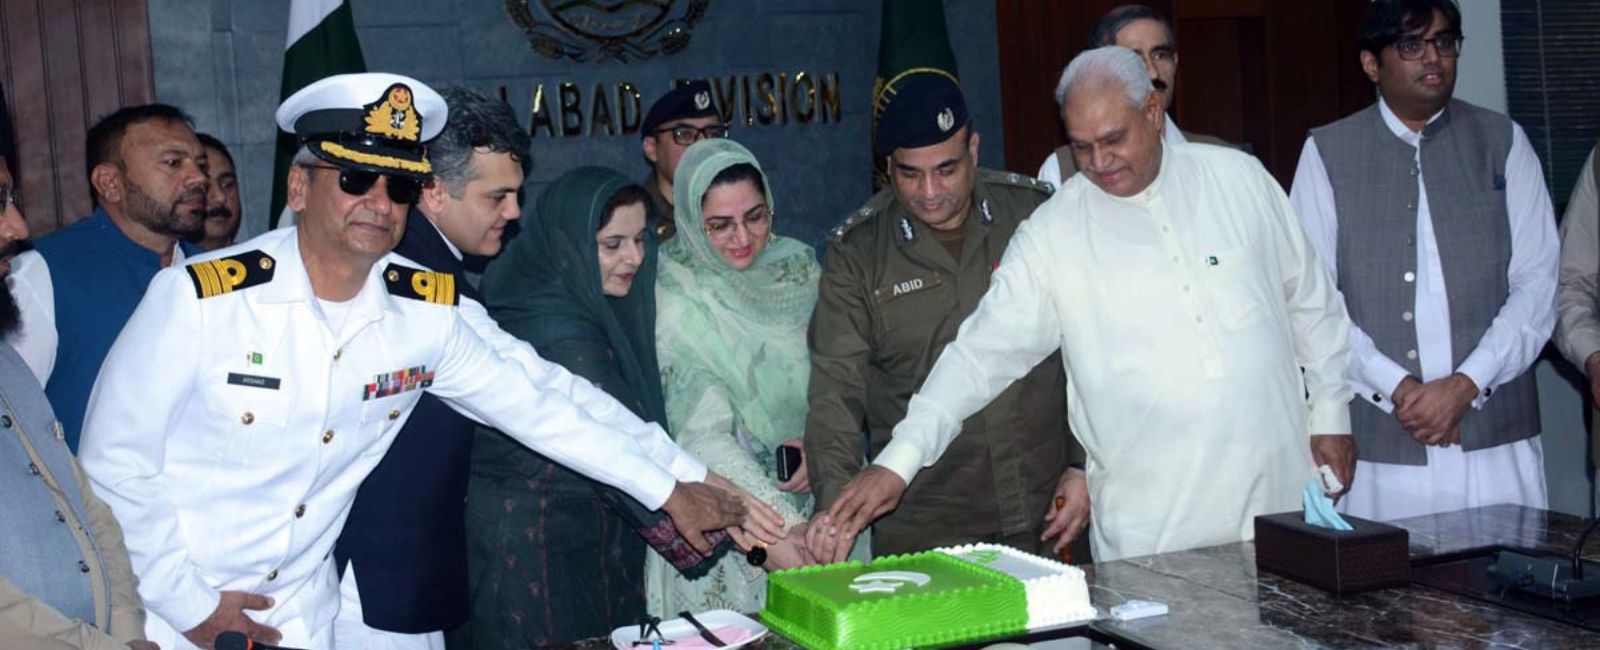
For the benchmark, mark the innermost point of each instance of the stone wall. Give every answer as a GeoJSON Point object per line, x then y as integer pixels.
{"type": "Point", "coordinates": [222, 61]}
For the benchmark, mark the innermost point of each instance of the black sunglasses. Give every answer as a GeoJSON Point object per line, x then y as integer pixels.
{"type": "Point", "coordinates": [356, 182]}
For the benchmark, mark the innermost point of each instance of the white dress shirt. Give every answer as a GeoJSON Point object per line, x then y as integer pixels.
{"type": "Point", "coordinates": [230, 433]}
{"type": "Point", "coordinates": [1050, 171]}
{"type": "Point", "coordinates": [1507, 349]}
{"type": "Point", "coordinates": [1185, 316]}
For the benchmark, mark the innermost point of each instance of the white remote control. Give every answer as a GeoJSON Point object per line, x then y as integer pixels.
{"type": "Point", "coordinates": [1137, 609]}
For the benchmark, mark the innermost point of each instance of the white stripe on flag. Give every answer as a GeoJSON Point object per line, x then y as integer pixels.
{"type": "Point", "coordinates": [305, 15]}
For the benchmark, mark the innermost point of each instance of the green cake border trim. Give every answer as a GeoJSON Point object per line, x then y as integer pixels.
{"type": "Point", "coordinates": [1004, 604]}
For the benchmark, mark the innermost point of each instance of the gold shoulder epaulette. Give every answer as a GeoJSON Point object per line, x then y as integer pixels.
{"type": "Point", "coordinates": [1016, 180]}
{"type": "Point", "coordinates": [225, 274]}
{"type": "Point", "coordinates": [418, 284]}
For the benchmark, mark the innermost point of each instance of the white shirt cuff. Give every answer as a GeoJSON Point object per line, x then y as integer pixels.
{"type": "Point", "coordinates": [902, 458]}
{"type": "Point", "coordinates": [1383, 375]}
{"type": "Point", "coordinates": [1479, 367]}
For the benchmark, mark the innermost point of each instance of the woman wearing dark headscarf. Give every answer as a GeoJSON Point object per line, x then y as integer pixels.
{"type": "Point", "coordinates": [553, 559]}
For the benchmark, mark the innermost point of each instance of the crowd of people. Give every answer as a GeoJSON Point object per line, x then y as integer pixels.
{"type": "Point", "coordinates": [335, 435]}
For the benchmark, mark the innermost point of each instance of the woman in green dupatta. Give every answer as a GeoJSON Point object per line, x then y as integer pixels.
{"type": "Point", "coordinates": [553, 558]}
{"type": "Point", "coordinates": [734, 303]}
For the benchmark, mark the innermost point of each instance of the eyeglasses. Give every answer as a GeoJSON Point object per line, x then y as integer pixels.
{"type": "Point", "coordinates": [10, 196]}
{"type": "Point", "coordinates": [687, 135]}
{"type": "Point", "coordinates": [720, 229]}
{"type": "Point", "coordinates": [1410, 48]}
{"type": "Point", "coordinates": [356, 182]}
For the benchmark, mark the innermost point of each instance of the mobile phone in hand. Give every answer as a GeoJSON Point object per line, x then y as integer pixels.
{"type": "Point", "coordinates": [788, 462]}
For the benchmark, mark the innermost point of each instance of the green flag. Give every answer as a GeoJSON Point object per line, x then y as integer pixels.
{"type": "Point", "coordinates": [322, 43]}
{"type": "Point", "coordinates": [913, 40]}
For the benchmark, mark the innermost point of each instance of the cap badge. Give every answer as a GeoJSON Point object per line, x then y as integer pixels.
{"type": "Point", "coordinates": [702, 100]}
{"type": "Point", "coordinates": [393, 115]}
{"type": "Point", "coordinates": [947, 119]}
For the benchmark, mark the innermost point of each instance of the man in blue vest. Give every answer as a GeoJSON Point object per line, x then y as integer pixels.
{"type": "Point", "coordinates": [79, 286]}
{"type": "Point", "coordinates": [65, 578]}
{"type": "Point", "coordinates": [1433, 217]}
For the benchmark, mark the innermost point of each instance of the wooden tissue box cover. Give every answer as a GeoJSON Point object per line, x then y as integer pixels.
{"type": "Point", "coordinates": [1373, 556]}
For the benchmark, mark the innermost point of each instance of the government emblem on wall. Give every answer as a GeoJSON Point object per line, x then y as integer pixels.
{"type": "Point", "coordinates": [597, 30]}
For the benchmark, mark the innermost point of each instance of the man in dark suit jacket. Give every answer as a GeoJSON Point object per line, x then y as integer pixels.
{"type": "Point", "coordinates": [403, 552]}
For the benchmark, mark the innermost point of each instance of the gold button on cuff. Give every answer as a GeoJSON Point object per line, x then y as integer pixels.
{"type": "Point", "coordinates": [272, 576]}
{"type": "Point", "coordinates": [394, 415]}
{"type": "Point", "coordinates": [300, 511]}
{"type": "Point", "coordinates": [327, 436]}
{"type": "Point", "coordinates": [247, 418]}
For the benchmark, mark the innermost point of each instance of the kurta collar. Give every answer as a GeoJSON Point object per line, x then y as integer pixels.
{"type": "Point", "coordinates": [1156, 187]}
{"type": "Point", "coordinates": [1399, 128]}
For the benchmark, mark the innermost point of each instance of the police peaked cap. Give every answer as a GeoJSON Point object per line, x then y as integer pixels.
{"type": "Point", "coordinates": [373, 121]}
{"type": "Point", "coordinates": [693, 99]}
{"type": "Point", "coordinates": [923, 109]}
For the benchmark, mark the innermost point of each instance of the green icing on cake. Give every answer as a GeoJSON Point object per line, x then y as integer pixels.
{"type": "Point", "coordinates": [923, 599]}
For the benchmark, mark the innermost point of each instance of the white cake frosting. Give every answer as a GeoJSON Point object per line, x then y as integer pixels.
{"type": "Point", "coordinates": [1057, 593]}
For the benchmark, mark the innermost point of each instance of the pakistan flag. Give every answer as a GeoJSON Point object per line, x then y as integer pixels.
{"type": "Point", "coordinates": [322, 43]}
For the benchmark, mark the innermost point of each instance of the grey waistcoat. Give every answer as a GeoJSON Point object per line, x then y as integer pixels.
{"type": "Point", "coordinates": [1374, 179]}
{"type": "Point", "coordinates": [38, 552]}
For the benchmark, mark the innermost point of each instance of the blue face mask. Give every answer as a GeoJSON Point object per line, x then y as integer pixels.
{"type": "Point", "coordinates": [1319, 508]}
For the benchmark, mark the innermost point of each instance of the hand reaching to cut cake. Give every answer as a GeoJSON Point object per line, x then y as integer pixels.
{"type": "Point", "coordinates": [761, 522]}
{"type": "Point", "coordinates": [870, 495]}
{"type": "Point", "coordinates": [717, 503]}
{"type": "Point", "coordinates": [791, 552]}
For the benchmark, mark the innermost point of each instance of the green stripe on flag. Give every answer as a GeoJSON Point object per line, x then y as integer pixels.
{"type": "Point", "coordinates": [329, 48]}
{"type": "Point", "coordinates": [913, 40]}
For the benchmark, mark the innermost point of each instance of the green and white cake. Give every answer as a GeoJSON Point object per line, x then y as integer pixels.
{"type": "Point", "coordinates": [938, 597]}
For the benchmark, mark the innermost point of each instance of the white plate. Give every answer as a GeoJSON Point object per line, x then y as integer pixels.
{"type": "Point", "coordinates": [623, 637]}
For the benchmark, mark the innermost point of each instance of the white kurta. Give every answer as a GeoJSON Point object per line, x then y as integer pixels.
{"type": "Point", "coordinates": [1453, 479]}
{"type": "Point", "coordinates": [229, 434]}
{"type": "Point", "coordinates": [1185, 315]}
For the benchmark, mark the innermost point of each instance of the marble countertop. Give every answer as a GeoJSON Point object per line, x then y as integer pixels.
{"type": "Point", "coordinates": [1218, 600]}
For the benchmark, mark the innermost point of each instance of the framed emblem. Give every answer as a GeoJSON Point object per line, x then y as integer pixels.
{"type": "Point", "coordinates": [598, 30]}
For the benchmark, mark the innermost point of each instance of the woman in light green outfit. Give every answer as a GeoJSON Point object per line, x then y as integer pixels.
{"type": "Point", "coordinates": [733, 301]}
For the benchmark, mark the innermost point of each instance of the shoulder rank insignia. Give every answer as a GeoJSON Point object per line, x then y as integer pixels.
{"type": "Point", "coordinates": [417, 284]}
{"type": "Point", "coordinates": [983, 207]}
{"type": "Point", "coordinates": [1018, 180]}
{"type": "Point", "coordinates": [225, 274]}
{"type": "Point", "coordinates": [850, 221]}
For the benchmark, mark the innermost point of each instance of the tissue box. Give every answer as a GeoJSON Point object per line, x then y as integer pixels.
{"type": "Point", "coordinates": [1373, 556]}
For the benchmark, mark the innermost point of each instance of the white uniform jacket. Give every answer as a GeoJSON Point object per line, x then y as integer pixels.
{"type": "Point", "coordinates": [229, 433]}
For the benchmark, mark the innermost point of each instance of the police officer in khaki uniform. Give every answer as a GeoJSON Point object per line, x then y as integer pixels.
{"type": "Point", "coordinates": [899, 277]}
{"type": "Point", "coordinates": [682, 117]}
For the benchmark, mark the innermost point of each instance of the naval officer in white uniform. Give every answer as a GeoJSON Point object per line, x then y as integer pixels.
{"type": "Point", "coordinates": [255, 387]}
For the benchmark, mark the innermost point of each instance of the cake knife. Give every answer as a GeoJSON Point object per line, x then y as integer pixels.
{"type": "Point", "coordinates": [704, 633]}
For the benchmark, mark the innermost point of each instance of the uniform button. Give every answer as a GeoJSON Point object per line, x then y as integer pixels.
{"type": "Point", "coordinates": [272, 576]}
{"type": "Point", "coordinates": [327, 436]}
{"type": "Point", "coordinates": [1410, 277]}
{"type": "Point", "coordinates": [394, 415]}
{"type": "Point", "coordinates": [60, 518]}
{"type": "Point", "coordinates": [338, 353]}
{"type": "Point", "coordinates": [300, 511]}
{"type": "Point", "coordinates": [1406, 317]}
{"type": "Point", "coordinates": [83, 567]}
{"type": "Point", "coordinates": [5, 421]}
{"type": "Point", "coordinates": [1377, 397]}
{"type": "Point", "coordinates": [1411, 354]}
{"type": "Point", "coordinates": [248, 417]}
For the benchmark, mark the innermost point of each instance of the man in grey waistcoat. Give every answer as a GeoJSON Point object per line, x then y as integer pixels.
{"type": "Point", "coordinates": [1433, 218]}
{"type": "Point", "coordinates": [65, 579]}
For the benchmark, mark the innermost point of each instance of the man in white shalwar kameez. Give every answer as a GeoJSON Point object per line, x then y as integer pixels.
{"type": "Point", "coordinates": [1193, 318]}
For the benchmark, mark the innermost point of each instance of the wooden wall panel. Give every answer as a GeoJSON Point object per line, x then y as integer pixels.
{"type": "Point", "coordinates": [66, 63]}
{"type": "Point", "coordinates": [1253, 72]}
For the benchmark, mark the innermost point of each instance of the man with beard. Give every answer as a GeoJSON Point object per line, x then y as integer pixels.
{"type": "Point", "coordinates": [222, 196]}
{"type": "Point", "coordinates": [1148, 33]}
{"type": "Point", "coordinates": [79, 285]}
{"type": "Point", "coordinates": [65, 580]}
{"type": "Point", "coordinates": [1433, 217]}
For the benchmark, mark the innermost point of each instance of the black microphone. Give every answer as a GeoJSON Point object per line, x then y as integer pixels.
{"type": "Point", "coordinates": [238, 641]}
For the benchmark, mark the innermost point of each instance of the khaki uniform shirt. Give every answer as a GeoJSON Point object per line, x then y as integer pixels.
{"type": "Point", "coordinates": [891, 297]}
{"type": "Point", "coordinates": [666, 227]}
{"type": "Point", "coordinates": [27, 624]}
